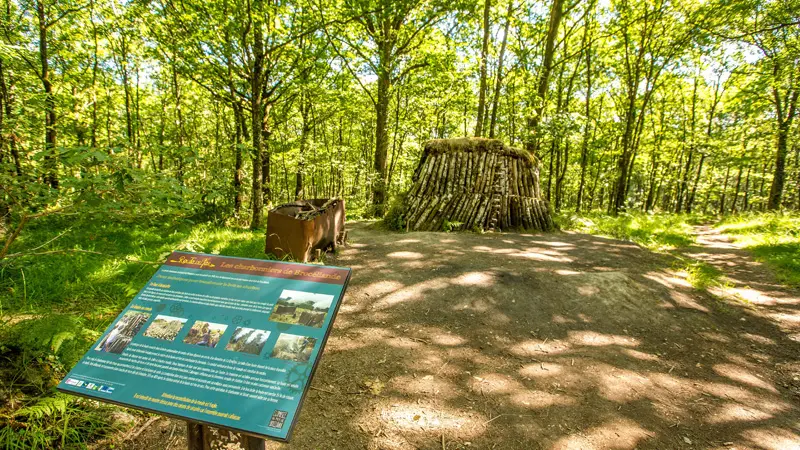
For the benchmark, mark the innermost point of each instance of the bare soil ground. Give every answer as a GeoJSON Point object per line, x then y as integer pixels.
{"type": "Point", "coordinates": [553, 341]}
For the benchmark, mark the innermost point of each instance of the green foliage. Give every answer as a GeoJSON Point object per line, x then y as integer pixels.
{"type": "Point", "coordinates": [395, 218]}
{"type": "Point", "coordinates": [448, 226]}
{"type": "Point", "coordinates": [654, 231]}
{"type": "Point", "coordinates": [56, 421]}
{"type": "Point", "coordinates": [772, 237]}
{"type": "Point", "coordinates": [702, 275]}
{"type": "Point", "coordinates": [58, 338]}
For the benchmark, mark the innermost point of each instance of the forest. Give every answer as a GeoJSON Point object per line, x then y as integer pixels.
{"type": "Point", "coordinates": [131, 129]}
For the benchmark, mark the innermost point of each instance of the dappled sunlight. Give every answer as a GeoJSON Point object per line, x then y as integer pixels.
{"type": "Point", "coordinates": [669, 279]}
{"type": "Point", "coordinates": [475, 279]}
{"type": "Point", "coordinates": [565, 350]}
{"type": "Point", "coordinates": [429, 418]}
{"type": "Point", "coordinates": [567, 272]}
{"type": "Point", "coordinates": [594, 339]}
{"type": "Point", "coordinates": [758, 338]}
{"type": "Point", "coordinates": [735, 412]}
{"type": "Point", "coordinates": [622, 385]}
{"type": "Point", "coordinates": [642, 356]}
{"type": "Point", "coordinates": [773, 438]}
{"type": "Point", "coordinates": [535, 346]}
{"type": "Point", "coordinates": [405, 255]}
{"type": "Point", "coordinates": [618, 433]}
{"type": "Point", "coordinates": [409, 293]}
{"type": "Point", "coordinates": [542, 370]}
{"type": "Point", "coordinates": [382, 287]}
{"type": "Point", "coordinates": [532, 399]}
{"type": "Point", "coordinates": [426, 385]}
{"type": "Point", "coordinates": [737, 373]}
{"type": "Point", "coordinates": [494, 383]}
{"type": "Point", "coordinates": [542, 256]}
{"type": "Point", "coordinates": [683, 300]}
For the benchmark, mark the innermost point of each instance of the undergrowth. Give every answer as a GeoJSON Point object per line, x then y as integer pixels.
{"type": "Point", "coordinates": [53, 306]}
{"type": "Point", "coordinates": [702, 275]}
{"type": "Point", "coordinates": [772, 237]}
{"type": "Point", "coordinates": [659, 232]}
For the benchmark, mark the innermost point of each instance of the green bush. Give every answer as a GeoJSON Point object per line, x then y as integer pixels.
{"type": "Point", "coordinates": [395, 217]}
{"type": "Point", "coordinates": [774, 238]}
{"type": "Point", "coordinates": [654, 231]}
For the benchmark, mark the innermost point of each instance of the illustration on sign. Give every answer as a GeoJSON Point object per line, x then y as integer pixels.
{"type": "Point", "coordinates": [231, 342]}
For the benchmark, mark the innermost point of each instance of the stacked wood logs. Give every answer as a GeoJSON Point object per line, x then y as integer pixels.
{"type": "Point", "coordinates": [473, 183]}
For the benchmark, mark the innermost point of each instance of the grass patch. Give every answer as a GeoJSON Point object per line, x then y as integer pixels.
{"type": "Point", "coordinates": [774, 238]}
{"type": "Point", "coordinates": [54, 306]}
{"type": "Point", "coordinates": [659, 232]}
{"type": "Point", "coordinates": [702, 275]}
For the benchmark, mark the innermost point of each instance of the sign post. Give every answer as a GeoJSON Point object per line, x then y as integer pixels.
{"type": "Point", "coordinates": [221, 341]}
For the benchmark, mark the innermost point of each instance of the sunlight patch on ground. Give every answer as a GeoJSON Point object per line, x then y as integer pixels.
{"type": "Point", "coordinates": [616, 434]}
{"type": "Point", "coordinates": [539, 399]}
{"type": "Point", "coordinates": [537, 347]}
{"type": "Point", "coordinates": [567, 272]}
{"type": "Point", "coordinates": [405, 255]}
{"type": "Point", "coordinates": [541, 370]}
{"type": "Point", "coordinates": [494, 383]}
{"type": "Point", "coordinates": [640, 355]}
{"type": "Point", "coordinates": [737, 373]}
{"type": "Point", "coordinates": [423, 418]}
{"type": "Point", "coordinates": [413, 292]}
{"type": "Point", "coordinates": [382, 287]}
{"type": "Point", "coordinates": [622, 386]}
{"type": "Point", "coordinates": [475, 279]}
{"type": "Point", "coordinates": [595, 339]}
{"type": "Point", "coordinates": [757, 338]}
{"type": "Point", "coordinates": [773, 438]}
{"type": "Point", "coordinates": [685, 301]}
{"type": "Point", "coordinates": [735, 412]}
{"type": "Point", "coordinates": [427, 385]}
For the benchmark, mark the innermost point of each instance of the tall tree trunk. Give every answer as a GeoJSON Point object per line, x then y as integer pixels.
{"type": "Point", "coordinates": [784, 124]}
{"type": "Point", "coordinates": [305, 106]}
{"type": "Point", "coordinates": [684, 189]}
{"type": "Point", "coordinates": [50, 156]}
{"type": "Point", "coordinates": [533, 142]}
{"type": "Point", "coordinates": [240, 126]}
{"type": "Point", "coordinates": [257, 114]}
{"type": "Point", "coordinates": [736, 190]}
{"type": "Point", "coordinates": [95, 65]}
{"type": "Point", "coordinates": [587, 44]}
{"type": "Point", "coordinates": [181, 130]}
{"type": "Point", "coordinates": [381, 134]}
{"type": "Point", "coordinates": [7, 94]}
{"type": "Point", "coordinates": [487, 5]}
{"type": "Point", "coordinates": [498, 79]}
{"type": "Point", "coordinates": [779, 174]}
{"type": "Point", "coordinates": [724, 190]}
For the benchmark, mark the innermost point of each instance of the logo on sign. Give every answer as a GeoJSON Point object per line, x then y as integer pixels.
{"type": "Point", "coordinates": [74, 382]}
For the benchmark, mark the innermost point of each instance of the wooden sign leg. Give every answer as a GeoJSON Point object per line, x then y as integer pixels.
{"type": "Point", "coordinates": [200, 438]}
{"type": "Point", "coordinates": [194, 436]}
{"type": "Point", "coordinates": [253, 443]}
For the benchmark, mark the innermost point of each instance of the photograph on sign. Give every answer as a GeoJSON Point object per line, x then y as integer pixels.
{"type": "Point", "coordinates": [248, 340]}
{"type": "Point", "coordinates": [223, 341]}
{"type": "Point", "coordinates": [122, 332]}
{"type": "Point", "coordinates": [303, 308]}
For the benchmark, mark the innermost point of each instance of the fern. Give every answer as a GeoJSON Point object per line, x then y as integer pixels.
{"type": "Point", "coordinates": [46, 407]}
{"type": "Point", "coordinates": [60, 338]}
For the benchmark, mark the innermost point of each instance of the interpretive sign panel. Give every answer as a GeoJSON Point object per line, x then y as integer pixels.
{"type": "Point", "coordinates": [231, 342]}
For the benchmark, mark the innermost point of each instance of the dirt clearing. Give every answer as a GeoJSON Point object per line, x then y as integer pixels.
{"type": "Point", "coordinates": [553, 341]}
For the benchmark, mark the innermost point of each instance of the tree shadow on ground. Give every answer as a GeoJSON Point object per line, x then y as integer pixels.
{"type": "Point", "coordinates": [522, 341]}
